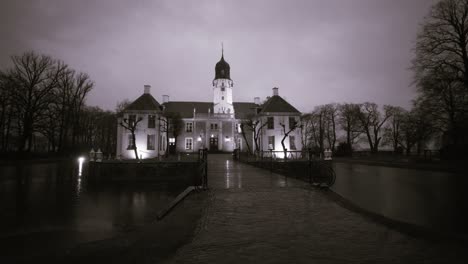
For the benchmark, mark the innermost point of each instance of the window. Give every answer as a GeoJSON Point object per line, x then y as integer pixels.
{"type": "Point", "coordinates": [238, 128]}
{"type": "Point", "coordinates": [151, 121]}
{"type": "Point", "coordinates": [214, 126]}
{"type": "Point", "coordinates": [223, 89]}
{"type": "Point", "coordinates": [131, 143]}
{"type": "Point", "coordinates": [150, 142]}
{"type": "Point", "coordinates": [188, 143]}
{"type": "Point", "coordinates": [162, 146]}
{"type": "Point", "coordinates": [131, 120]}
{"type": "Point", "coordinates": [271, 142]}
{"type": "Point", "coordinates": [189, 127]}
{"type": "Point", "coordinates": [292, 143]}
{"type": "Point", "coordinates": [292, 123]}
{"type": "Point", "coordinates": [222, 97]}
{"type": "Point", "coordinates": [270, 123]}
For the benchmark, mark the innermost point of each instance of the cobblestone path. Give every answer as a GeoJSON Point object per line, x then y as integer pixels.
{"type": "Point", "coordinates": [257, 217]}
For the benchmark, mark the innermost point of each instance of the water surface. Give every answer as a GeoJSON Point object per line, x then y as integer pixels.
{"type": "Point", "coordinates": [49, 205]}
{"type": "Point", "coordinates": [437, 200]}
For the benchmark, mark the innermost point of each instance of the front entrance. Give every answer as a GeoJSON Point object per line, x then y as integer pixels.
{"type": "Point", "coordinates": [213, 144]}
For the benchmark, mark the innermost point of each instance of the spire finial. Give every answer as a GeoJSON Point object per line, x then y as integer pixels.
{"type": "Point", "coordinates": [222, 50]}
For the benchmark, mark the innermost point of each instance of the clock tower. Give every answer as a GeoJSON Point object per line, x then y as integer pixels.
{"type": "Point", "coordinates": [222, 88]}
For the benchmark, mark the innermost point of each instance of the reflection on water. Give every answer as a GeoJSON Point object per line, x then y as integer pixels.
{"type": "Point", "coordinates": [53, 198]}
{"type": "Point", "coordinates": [437, 200]}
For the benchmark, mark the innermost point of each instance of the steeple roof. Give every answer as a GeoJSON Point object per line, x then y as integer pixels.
{"type": "Point", "coordinates": [222, 68]}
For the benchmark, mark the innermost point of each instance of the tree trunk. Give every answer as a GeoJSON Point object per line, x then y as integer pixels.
{"type": "Point", "coordinates": [134, 145]}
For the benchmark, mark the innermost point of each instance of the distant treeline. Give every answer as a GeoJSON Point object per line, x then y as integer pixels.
{"type": "Point", "coordinates": [440, 110]}
{"type": "Point", "coordinates": [43, 109]}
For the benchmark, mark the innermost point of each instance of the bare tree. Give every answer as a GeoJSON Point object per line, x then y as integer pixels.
{"type": "Point", "coordinates": [306, 127]}
{"type": "Point", "coordinates": [286, 131]}
{"type": "Point", "coordinates": [441, 70]}
{"type": "Point", "coordinates": [255, 125]}
{"type": "Point", "coordinates": [349, 121]}
{"type": "Point", "coordinates": [6, 111]}
{"type": "Point", "coordinates": [371, 121]}
{"type": "Point", "coordinates": [171, 124]}
{"type": "Point", "coordinates": [443, 41]}
{"type": "Point", "coordinates": [132, 125]}
{"type": "Point", "coordinates": [34, 77]}
{"type": "Point", "coordinates": [392, 132]}
{"type": "Point", "coordinates": [331, 116]}
{"type": "Point", "coordinates": [243, 128]}
{"type": "Point", "coordinates": [416, 129]}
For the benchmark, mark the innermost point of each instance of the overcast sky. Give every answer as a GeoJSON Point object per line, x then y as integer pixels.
{"type": "Point", "coordinates": [316, 52]}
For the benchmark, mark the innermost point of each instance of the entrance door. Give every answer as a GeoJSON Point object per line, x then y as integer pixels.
{"type": "Point", "coordinates": [213, 144]}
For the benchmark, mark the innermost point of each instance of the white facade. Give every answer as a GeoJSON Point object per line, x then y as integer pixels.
{"type": "Point", "coordinates": [213, 125]}
{"type": "Point", "coordinates": [150, 138]}
{"type": "Point", "coordinates": [222, 96]}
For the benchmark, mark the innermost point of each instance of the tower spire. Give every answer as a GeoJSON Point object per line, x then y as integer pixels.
{"type": "Point", "coordinates": [222, 50]}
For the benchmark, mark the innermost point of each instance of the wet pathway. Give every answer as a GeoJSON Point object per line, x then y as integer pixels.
{"type": "Point", "coordinates": [224, 173]}
{"type": "Point", "coordinates": [258, 217]}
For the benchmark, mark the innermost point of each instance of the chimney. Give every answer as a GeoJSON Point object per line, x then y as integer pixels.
{"type": "Point", "coordinates": [165, 99]}
{"type": "Point", "coordinates": [275, 91]}
{"type": "Point", "coordinates": [147, 89]}
{"type": "Point", "coordinates": [257, 100]}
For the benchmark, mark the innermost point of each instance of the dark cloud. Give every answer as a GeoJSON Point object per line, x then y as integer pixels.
{"type": "Point", "coordinates": [315, 51]}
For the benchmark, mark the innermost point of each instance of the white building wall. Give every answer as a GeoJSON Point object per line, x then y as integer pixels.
{"type": "Point", "coordinates": [222, 96]}
{"type": "Point", "coordinates": [141, 137]}
{"type": "Point", "coordinates": [278, 133]}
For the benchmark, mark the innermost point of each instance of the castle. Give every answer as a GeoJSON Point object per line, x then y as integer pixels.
{"type": "Point", "coordinates": [219, 126]}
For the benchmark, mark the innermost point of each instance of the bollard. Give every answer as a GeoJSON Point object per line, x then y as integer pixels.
{"type": "Point", "coordinates": [92, 155]}
{"type": "Point", "coordinates": [327, 154]}
{"type": "Point", "coordinates": [99, 155]}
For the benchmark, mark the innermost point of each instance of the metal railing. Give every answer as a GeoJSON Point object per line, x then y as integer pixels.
{"type": "Point", "coordinates": [203, 167]}
{"type": "Point", "coordinates": [305, 165]}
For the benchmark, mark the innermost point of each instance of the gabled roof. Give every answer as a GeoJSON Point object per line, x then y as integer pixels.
{"type": "Point", "coordinates": [144, 102]}
{"type": "Point", "coordinates": [244, 109]}
{"type": "Point", "coordinates": [276, 104]}
{"type": "Point", "coordinates": [185, 109]}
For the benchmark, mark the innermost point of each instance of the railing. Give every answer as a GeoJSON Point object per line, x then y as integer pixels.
{"type": "Point", "coordinates": [185, 169]}
{"type": "Point", "coordinates": [203, 167]}
{"type": "Point", "coordinates": [305, 165]}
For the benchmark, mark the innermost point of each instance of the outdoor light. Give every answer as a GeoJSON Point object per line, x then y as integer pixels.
{"type": "Point", "coordinates": [199, 139]}
{"type": "Point", "coordinates": [80, 165]}
{"type": "Point", "coordinates": [212, 135]}
{"type": "Point", "coordinates": [227, 139]}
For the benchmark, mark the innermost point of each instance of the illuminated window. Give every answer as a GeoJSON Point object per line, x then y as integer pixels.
{"type": "Point", "coordinates": [171, 140]}
{"type": "Point", "coordinates": [150, 139]}
{"type": "Point", "coordinates": [214, 126]}
{"type": "Point", "coordinates": [271, 142]}
{"type": "Point", "coordinates": [189, 127]}
{"type": "Point", "coordinates": [188, 143]}
{"type": "Point", "coordinates": [270, 123]}
{"type": "Point", "coordinates": [151, 121]}
{"type": "Point", "coordinates": [131, 143]}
